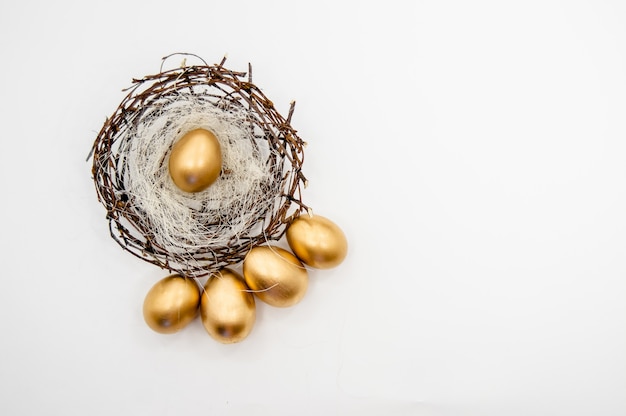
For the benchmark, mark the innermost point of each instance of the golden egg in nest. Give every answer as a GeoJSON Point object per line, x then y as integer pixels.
{"type": "Point", "coordinates": [275, 275]}
{"type": "Point", "coordinates": [227, 308]}
{"type": "Point", "coordinates": [171, 304]}
{"type": "Point", "coordinates": [195, 161]}
{"type": "Point", "coordinates": [317, 241]}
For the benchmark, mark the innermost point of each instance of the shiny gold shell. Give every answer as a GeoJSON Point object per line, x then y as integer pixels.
{"type": "Point", "coordinates": [317, 241]}
{"type": "Point", "coordinates": [227, 309]}
{"type": "Point", "coordinates": [195, 161]}
{"type": "Point", "coordinates": [277, 276]}
{"type": "Point", "coordinates": [171, 304]}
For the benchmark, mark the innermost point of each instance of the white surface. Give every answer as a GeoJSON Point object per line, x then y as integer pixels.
{"type": "Point", "coordinates": [473, 152]}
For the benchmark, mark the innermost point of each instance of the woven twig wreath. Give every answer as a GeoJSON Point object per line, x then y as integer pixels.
{"type": "Point", "coordinates": [206, 232]}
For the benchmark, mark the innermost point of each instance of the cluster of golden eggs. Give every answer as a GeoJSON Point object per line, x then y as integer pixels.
{"type": "Point", "coordinates": [276, 276]}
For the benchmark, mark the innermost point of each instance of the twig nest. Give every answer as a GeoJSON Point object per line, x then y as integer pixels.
{"type": "Point", "coordinates": [170, 200]}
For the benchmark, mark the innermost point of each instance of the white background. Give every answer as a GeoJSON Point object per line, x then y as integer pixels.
{"type": "Point", "coordinates": [473, 152]}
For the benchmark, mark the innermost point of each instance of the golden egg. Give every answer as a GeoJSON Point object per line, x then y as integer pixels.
{"type": "Point", "coordinates": [171, 304]}
{"type": "Point", "coordinates": [317, 241]}
{"type": "Point", "coordinates": [227, 307]}
{"type": "Point", "coordinates": [195, 160]}
{"type": "Point", "coordinates": [277, 276]}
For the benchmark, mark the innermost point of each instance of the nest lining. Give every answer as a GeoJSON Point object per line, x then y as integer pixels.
{"type": "Point", "coordinates": [257, 194]}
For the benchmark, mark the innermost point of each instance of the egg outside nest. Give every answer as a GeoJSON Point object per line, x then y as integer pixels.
{"type": "Point", "coordinates": [275, 275]}
{"type": "Point", "coordinates": [317, 241]}
{"type": "Point", "coordinates": [171, 304]}
{"type": "Point", "coordinates": [227, 308]}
